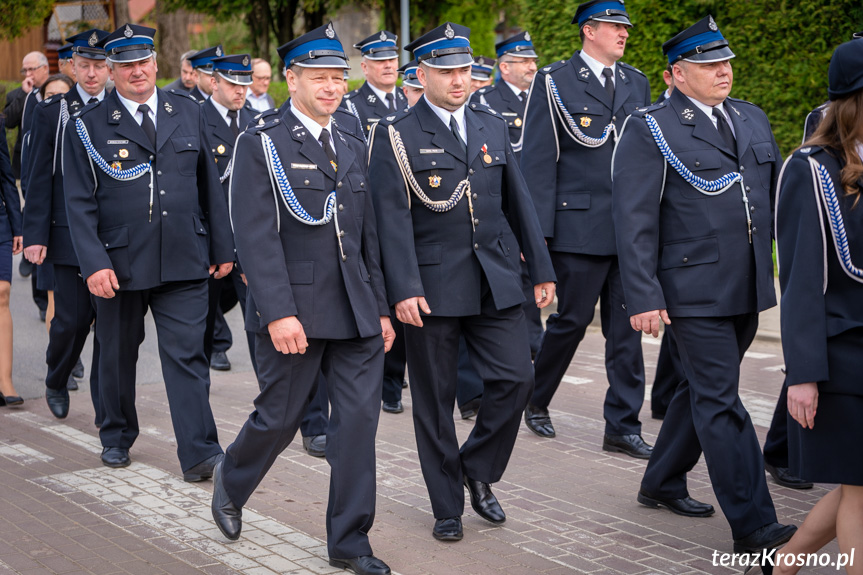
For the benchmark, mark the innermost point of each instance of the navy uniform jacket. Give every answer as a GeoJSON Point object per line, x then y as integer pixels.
{"type": "Point", "coordinates": [370, 107]}
{"type": "Point", "coordinates": [569, 182]}
{"type": "Point", "coordinates": [814, 118]}
{"type": "Point", "coordinates": [176, 85]}
{"type": "Point", "coordinates": [45, 221]}
{"type": "Point", "coordinates": [503, 100]}
{"type": "Point", "coordinates": [10, 210]}
{"type": "Point", "coordinates": [679, 249]}
{"type": "Point", "coordinates": [294, 269]}
{"type": "Point", "coordinates": [110, 220]}
{"type": "Point", "coordinates": [343, 120]}
{"type": "Point", "coordinates": [438, 255]}
{"type": "Point", "coordinates": [221, 137]}
{"type": "Point", "coordinates": [817, 303]}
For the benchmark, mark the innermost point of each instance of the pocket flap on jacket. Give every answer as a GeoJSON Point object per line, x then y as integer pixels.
{"type": "Point", "coordinates": [690, 253]}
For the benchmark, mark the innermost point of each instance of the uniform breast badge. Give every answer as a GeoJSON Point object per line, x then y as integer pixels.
{"type": "Point", "coordinates": [124, 153]}
{"type": "Point", "coordinates": [116, 165]}
{"type": "Point", "coordinates": [434, 181]}
{"type": "Point", "coordinates": [221, 149]}
{"type": "Point", "coordinates": [517, 122]}
{"type": "Point", "coordinates": [585, 121]}
{"type": "Point", "coordinates": [485, 158]}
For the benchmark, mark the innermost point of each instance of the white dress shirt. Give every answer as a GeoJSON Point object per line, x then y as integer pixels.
{"type": "Point", "coordinates": [152, 102]}
{"type": "Point", "coordinates": [597, 67]}
{"type": "Point", "coordinates": [445, 115]}
{"type": "Point", "coordinates": [313, 127]}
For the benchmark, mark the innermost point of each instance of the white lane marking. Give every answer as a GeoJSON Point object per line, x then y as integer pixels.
{"type": "Point", "coordinates": [21, 454]}
{"type": "Point", "coordinates": [576, 380]}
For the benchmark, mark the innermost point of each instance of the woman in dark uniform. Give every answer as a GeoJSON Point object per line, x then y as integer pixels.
{"type": "Point", "coordinates": [819, 226]}
{"type": "Point", "coordinates": [10, 244]}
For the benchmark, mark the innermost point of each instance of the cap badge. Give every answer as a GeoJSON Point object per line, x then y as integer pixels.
{"type": "Point", "coordinates": [93, 39]}
{"type": "Point", "coordinates": [585, 121]}
{"type": "Point", "coordinates": [219, 51]}
{"type": "Point", "coordinates": [434, 181]}
{"type": "Point", "coordinates": [527, 36]}
{"type": "Point", "coordinates": [245, 60]}
{"type": "Point", "coordinates": [221, 149]}
{"type": "Point", "coordinates": [330, 32]}
{"type": "Point", "coordinates": [168, 107]}
{"type": "Point", "coordinates": [128, 32]}
{"type": "Point", "coordinates": [383, 36]}
{"type": "Point", "coordinates": [688, 114]}
{"type": "Point", "coordinates": [115, 115]}
{"type": "Point", "coordinates": [712, 25]}
{"type": "Point", "coordinates": [124, 153]}
{"type": "Point", "coordinates": [449, 33]}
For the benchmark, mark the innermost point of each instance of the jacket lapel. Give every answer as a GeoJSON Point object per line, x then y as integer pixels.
{"type": "Point", "coordinates": [219, 128]}
{"type": "Point", "coordinates": [443, 138]}
{"type": "Point", "coordinates": [475, 135]}
{"type": "Point", "coordinates": [593, 87]}
{"type": "Point", "coordinates": [344, 156]}
{"type": "Point", "coordinates": [513, 104]}
{"type": "Point", "coordinates": [309, 146]}
{"type": "Point", "coordinates": [742, 131]}
{"type": "Point", "coordinates": [167, 120]}
{"type": "Point", "coordinates": [702, 126]}
{"type": "Point", "coordinates": [126, 126]}
{"type": "Point", "coordinates": [622, 90]}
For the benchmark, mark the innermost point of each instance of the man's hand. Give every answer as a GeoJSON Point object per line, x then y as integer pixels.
{"type": "Point", "coordinates": [34, 254]}
{"type": "Point", "coordinates": [288, 335]}
{"type": "Point", "coordinates": [407, 310]}
{"type": "Point", "coordinates": [243, 277]}
{"type": "Point", "coordinates": [17, 245]}
{"type": "Point", "coordinates": [803, 403]}
{"type": "Point", "coordinates": [388, 332]}
{"type": "Point", "coordinates": [221, 270]}
{"type": "Point", "coordinates": [648, 322]}
{"type": "Point", "coordinates": [103, 283]}
{"type": "Point", "coordinates": [543, 294]}
{"type": "Point", "coordinates": [27, 84]}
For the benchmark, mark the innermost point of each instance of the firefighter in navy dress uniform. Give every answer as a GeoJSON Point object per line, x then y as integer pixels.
{"type": "Point", "coordinates": [46, 227]}
{"type": "Point", "coordinates": [575, 110]}
{"type": "Point", "coordinates": [694, 178]}
{"type": "Point", "coordinates": [447, 188]}
{"type": "Point", "coordinates": [202, 63]}
{"type": "Point", "coordinates": [302, 212]}
{"type": "Point", "coordinates": [140, 181]}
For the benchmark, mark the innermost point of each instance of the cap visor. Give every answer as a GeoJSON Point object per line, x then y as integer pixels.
{"type": "Point", "coordinates": [92, 56]}
{"type": "Point", "coordinates": [412, 84]}
{"type": "Point", "coordinates": [613, 19]}
{"type": "Point", "coordinates": [480, 77]}
{"type": "Point", "coordinates": [521, 54]}
{"type": "Point", "coordinates": [389, 55]}
{"type": "Point", "coordinates": [131, 56]}
{"type": "Point", "coordinates": [324, 62]}
{"type": "Point", "coordinates": [718, 55]}
{"type": "Point", "coordinates": [240, 79]}
{"type": "Point", "coordinates": [450, 61]}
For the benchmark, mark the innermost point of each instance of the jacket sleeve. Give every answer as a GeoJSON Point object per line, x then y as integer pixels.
{"type": "Point", "coordinates": [14, 107]}
{"type": "Point", "coordinates": [40, 172]}
{"type": "Point", "coordinates": [395, 224]}
{"type": "Point", "coordinates": [82, 209]}
{"type": "Point", "coordinates": [7, 185]}
{"type": "Point", "coordinates": [213, 202]}
{"type": "Point", "coordinates": [801, 276]}
{"type": "Point", "coordinates": [539, 154]}
{"type": "Point", "coordinates": [371, 243]}
{"type": "Point", "coordinates": [255, 220]}
{"type": "Point", "coordinates": [637, 180]}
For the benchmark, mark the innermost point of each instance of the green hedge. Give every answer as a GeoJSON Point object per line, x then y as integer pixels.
{"type": "Point", "coordinates": [783, 47]}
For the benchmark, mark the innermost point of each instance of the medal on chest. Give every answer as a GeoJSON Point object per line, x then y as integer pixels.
{"type": "Point", "coordinates": [485, 158]}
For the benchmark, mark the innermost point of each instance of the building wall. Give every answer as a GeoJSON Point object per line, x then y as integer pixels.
{"type": "Point", "coordinates": [14, 51]}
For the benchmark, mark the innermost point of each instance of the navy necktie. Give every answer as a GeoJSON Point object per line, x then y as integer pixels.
{"type": "Point", "coordinates": [453, 125]}
{"type": "Point", "coordinates": [724, 129]}
{"type": "Point", "coordinates": [609, 82]}
{"type": "Point", "coordinates": [147, 124]}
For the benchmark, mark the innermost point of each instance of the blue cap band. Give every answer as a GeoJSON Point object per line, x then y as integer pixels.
{"type": "Point", "coordinates": [320, 44]}
{"type": "Point", "coordinates": [441, 44]}
{"type": "Point", "coordinates": [512, 46]}
{"type": "Point", "coordinates": [133, 41]}
{"type": "Point", "coordinates": [690, 44]}
{"type": "Point", "coordinates": [600, 9]}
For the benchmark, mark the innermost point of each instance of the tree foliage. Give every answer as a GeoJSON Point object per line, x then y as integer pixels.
{"type": "Point", "coordinates": [783, 47]}
{"type": "Point", "coordinates": [18, 16]}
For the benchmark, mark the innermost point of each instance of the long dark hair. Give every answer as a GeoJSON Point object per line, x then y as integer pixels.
{"type": "Point", "coordinates": [53, 78]}
{"type": "Point", "coordinates": [841, 129]}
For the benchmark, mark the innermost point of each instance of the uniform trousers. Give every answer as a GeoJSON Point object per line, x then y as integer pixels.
{"type": "Point", "coordinates": [317, 417]}
{"type": "Point", "coordinates": [352, 369]}
{"type": "Point", "coordinates": [706, 413]}
{"type": "Point", "coordinates": [531, 312]}
{"type": "Point", "coordinates": [74, 311]}
{"type": "Point", "coordinates": [776, 442]}
{"type": "Point", "coordinates": [499, 350]}
{"type": "Point", "coordinates": [581, 280]}
{"type": "Point", "coordinates": [180, 312]}
{"type": "Point", "coordinates": [394, 364]}
{"type": "Point", "coordinates": [669, 373]}
{"type": "Point", "coordinates": [221, 292]}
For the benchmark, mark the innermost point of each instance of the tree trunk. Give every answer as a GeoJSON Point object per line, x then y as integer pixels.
{"type": "Point", "coordinates": [173, 39]}
{"type": "Point", "coordinates": [121, 14]}
{"type": "Point", "coordinates": [392, 19]}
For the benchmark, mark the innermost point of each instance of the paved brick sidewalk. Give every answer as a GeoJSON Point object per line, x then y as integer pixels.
{"type": "Point", "coordinates": [571, 507]}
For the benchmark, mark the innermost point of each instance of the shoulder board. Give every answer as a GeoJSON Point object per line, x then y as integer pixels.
{"type": "Point", "coordinates": [266, 115]}
{"type": "Point", "coordinates": [55, 99]}
{"type": "Point", "coordinates": [739, 101]}
{"type": "Point", "coordinates": [478, 107]}
{"type": "Point", "coordinates": [346, 132]}
{"type": "Point", "coordinates": [86, 108]}
{"type": "Point", "coordinates": [651, 108]}
{"type": "Point", "coordinates": [553, 66]}
{"type": "Point", "coordinates": [630, 67]}
{"type": "Point", "coordinates": [181, 96]}
{"type": "Point", "coordinates": [351, 94]}
{"type": "Point", "coordinates": [808, 150]}
{"type": "Point", "coordinates": [263, 124]}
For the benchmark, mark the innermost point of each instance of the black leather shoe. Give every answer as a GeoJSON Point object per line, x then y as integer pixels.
{"type": "Point", "coordinates": [203, 470]}
{"type": "Point", "coordinates": [11, 400]}
{"type": "Point", "coordinates": [785, 478]}
{"type": "Point", "coordinates": [686, 506]}
{"type": "Point", "coordinates": [448, 529]}
{"type": "Point", "coordinates": [71, 384]}
{"type": "Point", "coordinates": [58, 402]}
{"type": "Point", "coordinates": [538, 421]}
{"type": "Point", "coordinates": [471, 408]}
{"type": "Point", "coordinates": [365, 565]}
{"type": "Point", "coordinates": [632, 445]}
{"type": "Point", "coordinates": [483, 501]}
{"type": "Point", "coordinates": [25, 268]}
{"type": "Point", "coordinates": [315, 445]}
{"type": "Point", "coordinates": [78, 370]}
{"type": "Point", "coordinates": [219, 361]}
{"type": "Point", "coordinates": [228, 517]}
{"type": "Point", "coordinates": [115, 457]}
{"type": "Point", "coordinates": [404, 384]}
{"type": "Point", "coordinates": [392, 407]}
{"type": "Point", "coordinates": [767, 537]}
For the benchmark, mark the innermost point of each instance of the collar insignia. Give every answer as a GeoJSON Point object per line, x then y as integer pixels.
{"type": "Point", "coordinates": [297, 127]}
{"type": "Point", "coordinates": [92, 40]}
{"type": "Point", "coordinates": [330, 32]}
{"type": "Point", "coordinates": [622, 75]}
{"type": "Point", "coordinates": [449, 32]}
{"type": "Point", "coordinates": [688, 114]}
{"type": "Point", "coordinates": [584, 72]}
{"type": "Point", "coordinates": [74, 103]}
{"type": "Point", "coordinates": [115, 115]}
{"type": "Point", "coordinates": [128, 32]}
{"type": "Point", "coordinates": [168, 107]}
{"type": "Point", "coordinates": [372, 99]}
